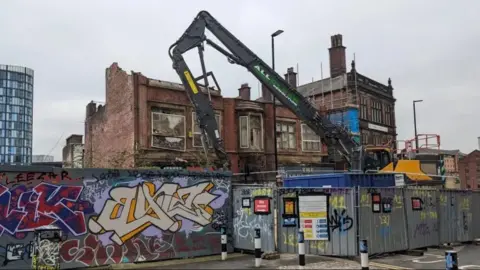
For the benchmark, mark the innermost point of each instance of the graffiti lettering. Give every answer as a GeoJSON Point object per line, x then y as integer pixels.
{"type": "Point", "coordinates": [22, 211]}
{"type": "Point", "coordinates": [219, 220]}
{"type": "Point", "coordinates": [245, 192]}
{"type": "Point", "coordinates": [428, 214]}
{"type": "Point", "coordinates": [262, 192]}
{"type": "Point", "coordinates": [244, 225]}
{"type": "Point", "coordinates": [30, 177]}
{"type": "Point", "coordinates": [397, 202]}
{"type": "Point", "coordinates": [48, 254]}
{"type": "Point", "coordinates": [443, 199]}
{"type": "Point", "coordinates": [291, 240]}
{"type": "Point", "coordinates": [365, 201]}
{"type": "Point", "coordinates": [465, 204]}
{"type": "Point", "coordinates": [16, 252]}
{"type": "Point", "coordinates": [107, 175]}
{"type": "Point", "coordinates": [337, 202]}
{"type": "Point", "coordinates": [91, 251]}
{"type": "Point", "coordinates": [422, 229]}
{"type": "Point", "coordinates": [340, 221]}
{"type": "Point", "coordinates": [384, 220]}
{"type": "Point", "coordinates": [130, 210]}
{"type": "Point", "coordinates": [465, 220]}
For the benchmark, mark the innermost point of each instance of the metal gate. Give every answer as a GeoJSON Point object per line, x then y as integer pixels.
{"type": "Point", "coordinates": [247, 199]}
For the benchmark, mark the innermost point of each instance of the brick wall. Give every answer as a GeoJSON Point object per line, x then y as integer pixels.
{"type": "Point", "coordinates": [469, 171]}
{"type": "Point", "coordinates": [126, 120]}
{"type": "Point", "coordinates": [109, 128]}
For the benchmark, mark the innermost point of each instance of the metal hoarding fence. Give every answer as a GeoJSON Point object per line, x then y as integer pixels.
{"type": "Point", "coordinates": [341, 216]}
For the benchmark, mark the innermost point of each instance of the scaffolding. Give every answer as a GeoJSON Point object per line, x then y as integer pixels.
{"type": "Point", "coordinates": [425, 141]}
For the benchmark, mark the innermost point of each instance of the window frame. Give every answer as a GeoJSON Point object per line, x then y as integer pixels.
{"type": "Point", "coordinates": [262, 131]}
{"type": "Point", "coordinates": [287, 123]}
{"type": "Point", "coordinates": [376, 109]}
{"type": "Point", "coordinates": [302, 125]}
{"type": "Point", "coordinates": [363, 107]}
{"type": "Point", "coordinates": [388, 114]}
{"type": "Point", "coordinates": [247, 143]}
{"type": "Point", "coordinates": [194, 122]}
{"type": "Point", "coordinates": [184, 132]}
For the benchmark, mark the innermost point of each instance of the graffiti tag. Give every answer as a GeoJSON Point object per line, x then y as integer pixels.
{"type": "Point", "coordinates": [340, 220]}
{"type": "Point", "coordinates": [130, 210]}
{"type": "Point", "coordinates": [23, 210]}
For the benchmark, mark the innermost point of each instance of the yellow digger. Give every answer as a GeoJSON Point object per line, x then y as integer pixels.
{"type": "Point", "coordinates": [384, 160]}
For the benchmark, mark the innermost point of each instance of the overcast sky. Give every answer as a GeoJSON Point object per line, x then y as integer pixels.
{"type": "Point", "coordinates": [430, 49]}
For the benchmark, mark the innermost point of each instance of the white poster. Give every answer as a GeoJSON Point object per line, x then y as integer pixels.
{"type": "Point", "coordinates": [313, 216]}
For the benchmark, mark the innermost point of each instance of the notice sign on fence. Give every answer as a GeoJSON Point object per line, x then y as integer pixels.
{"type": "Point", "coordinates": [313, 216]}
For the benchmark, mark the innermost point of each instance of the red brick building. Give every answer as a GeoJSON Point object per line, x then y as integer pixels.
{"type": "Point", "coordinates": [152, 121]}
{"type": "Point", "coordinates": [469, 170]}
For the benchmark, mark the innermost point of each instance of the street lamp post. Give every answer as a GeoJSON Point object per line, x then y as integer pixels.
{"type": "Point", "coordinates": [276, 33]}
{"type": "Point", "coordinates": [415, 124]}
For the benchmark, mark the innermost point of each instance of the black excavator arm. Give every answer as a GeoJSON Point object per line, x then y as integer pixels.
{"type": "Point", "coordinates": [335, 137]}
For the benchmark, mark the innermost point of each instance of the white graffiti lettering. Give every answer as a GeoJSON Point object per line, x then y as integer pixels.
{"type": "Point", "coordinates": [130, 210]}
{"type": "Point", "coordinates": [48, 254]}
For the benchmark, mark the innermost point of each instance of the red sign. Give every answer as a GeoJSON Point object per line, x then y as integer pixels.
{"type": "Point", "coordinates": [261, 206]}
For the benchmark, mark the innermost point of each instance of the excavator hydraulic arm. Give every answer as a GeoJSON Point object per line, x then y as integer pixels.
{"type": "Point", "coordinates": [335, 137]}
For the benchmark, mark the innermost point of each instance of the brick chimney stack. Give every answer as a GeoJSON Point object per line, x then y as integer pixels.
{"type": "Point", "coordinates": [338, 62]}
{"type": "Point", "coordinates": [244, 91]}
{"type": "Point", "coordinates": [266, 94]}
{"type": "Point", "coordinates": [291, 77]}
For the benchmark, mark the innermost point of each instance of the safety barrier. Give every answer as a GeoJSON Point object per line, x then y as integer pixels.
{"type": "Point", "coordinates": [390, 219]}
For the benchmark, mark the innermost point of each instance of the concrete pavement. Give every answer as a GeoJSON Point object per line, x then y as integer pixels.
{"type": "Point", "coordinates": [244, 261]}
{"type": "Point", "coordinates": [468, 258]}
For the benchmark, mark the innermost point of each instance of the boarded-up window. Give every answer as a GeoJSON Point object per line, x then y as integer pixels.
{"type": "Point", "coordinates": [197, 133]}
{"type": "Point", "coordinates": [310, 140]}
{"type": "Point", "coordinates": [168, 131]}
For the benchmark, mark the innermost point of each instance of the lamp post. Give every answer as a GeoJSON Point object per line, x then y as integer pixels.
{"type": "Point", "coordinates": [276, 33]}
{"type": "Point", "coordinates": [415, 123]}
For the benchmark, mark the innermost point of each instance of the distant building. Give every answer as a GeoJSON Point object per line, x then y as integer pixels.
{"type": "Point", "coordinates": [16, 113]}
{"type": "Point", "coordinates": [72, 153]}
{"type": "Point", "coordinates": [42, 158]}
{"type": "Point", "coordinates": [469, 167]}
{"type": "Point", "coordinates": [365, 107]}
{"type": "Point", "coordinates": [451, 162]}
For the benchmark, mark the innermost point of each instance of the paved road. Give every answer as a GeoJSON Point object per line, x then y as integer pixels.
{"type": "Point", "coordinates": [468, 258]}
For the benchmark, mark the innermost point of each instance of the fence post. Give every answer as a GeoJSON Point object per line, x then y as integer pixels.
{"type": "Point", "coordinates": [258, 248]}
{"type": "Point", "coordinates": [364, 254]}
{"type": "Point", "coordinates": [301, 248]}
{"type": "Point", "coordinates": [223, 231]}
{"type": "Point", "coordinates": [451, 260]}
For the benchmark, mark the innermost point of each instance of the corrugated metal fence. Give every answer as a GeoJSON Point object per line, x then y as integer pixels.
{"type": "Point", "coordinates": [245, 221]}
{"type": "Point", "coordinates": [391, 219]}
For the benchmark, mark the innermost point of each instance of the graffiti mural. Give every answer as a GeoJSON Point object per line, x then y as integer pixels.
{"type": "Point", "coordinates": [131, 210]}
{"type": "Point", "coordinates": [23, 209]}
{"type": "Point", "coordinates": [111, 216]}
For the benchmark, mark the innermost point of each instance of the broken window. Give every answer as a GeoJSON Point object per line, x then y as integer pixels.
{"type": "Point", "coordinates": [197, 133]}
{"type": "Point", "coordinates": [251, 131]}
{"type": "Point", "coordinates": [243, 131]}
{"type": "Point", "coordinates": [168, 131]}
{"type": "Point", "coordinates": [310, 141]}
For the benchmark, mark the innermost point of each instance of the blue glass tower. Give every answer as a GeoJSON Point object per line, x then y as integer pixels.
{"type": "Point", "coordinates": [16, 111]}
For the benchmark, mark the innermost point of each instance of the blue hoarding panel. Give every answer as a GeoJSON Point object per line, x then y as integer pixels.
{"type": "Point", "coordinates": [348, 119]}
{"type": "Point", "coordinates": [340, 180]}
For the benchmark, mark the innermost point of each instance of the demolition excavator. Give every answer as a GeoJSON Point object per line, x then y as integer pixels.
{"type": "Point", "coordinates": [340, 144]}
